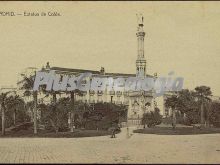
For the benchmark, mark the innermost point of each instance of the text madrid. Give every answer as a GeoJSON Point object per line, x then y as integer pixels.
{"type": "Point", "coordinates": [86, 82]}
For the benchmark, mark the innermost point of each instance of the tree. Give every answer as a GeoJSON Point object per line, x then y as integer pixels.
{"type": "Point", "coordinates": [172, 102]}
{"type": "Point", "coordinates": [186, 100]}
{"type": "Point", "coordinates": [56, 114]}
{"type": "Point", "coordinates": [189, 102]}
{"type": "Point", "coordinates": [3, 100]}
{"type": "Point", "coordinates": [188, 105]}
{"type": "Point", "coordinates": [28, 91]}
{"type": "Point", "coordinates": [53, 106]}
{"type": "Point", "coordinates": [214, 116]}
{"type": "Point", "coordinates": [72, 100]}
{"type": "Point", "coordinates": [107, 114]}
{"type": "Point", "coordinates": [16, 104]}
{"type": "Point", "coordinates": [203, 93]}
{"type": "Point", "coordinates": [51, 92]}
{"type": "Point", "coordinates": [72, 105]}
{"type": "Point", "coordinates": [29, 107]}
{"type": "Point", "coordinates": [81, 111]}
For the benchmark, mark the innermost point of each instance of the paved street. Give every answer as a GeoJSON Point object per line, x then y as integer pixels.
{"type": "Point", "coordinates": [139, 148]}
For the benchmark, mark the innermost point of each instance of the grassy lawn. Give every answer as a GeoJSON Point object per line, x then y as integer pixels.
{"type": "Point", "coordinates": [181, 130]}
{"type": "Point", "coordinates": [51, 134]}
{"type": "Point", "coordinates": [45, 134]}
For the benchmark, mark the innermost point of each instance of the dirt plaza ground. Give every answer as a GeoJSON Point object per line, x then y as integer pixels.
{"type": "Point", "coordinates": [138, 148]}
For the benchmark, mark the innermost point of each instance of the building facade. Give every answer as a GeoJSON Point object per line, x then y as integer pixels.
{"type": "Point", "coordinates": [138, 102]}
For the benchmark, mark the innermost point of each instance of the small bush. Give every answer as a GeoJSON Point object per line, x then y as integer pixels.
{"type": "Point", "coordinates": [152, 118]}
{"type": "Point", "coordinates": [192, 117]}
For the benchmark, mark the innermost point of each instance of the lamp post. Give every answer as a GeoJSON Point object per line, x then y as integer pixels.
{"type": "Point", "coordinates": [154, 91]}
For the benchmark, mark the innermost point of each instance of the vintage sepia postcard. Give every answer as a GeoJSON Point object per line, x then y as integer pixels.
{"type": "Point", "coordinates": [120, 82]}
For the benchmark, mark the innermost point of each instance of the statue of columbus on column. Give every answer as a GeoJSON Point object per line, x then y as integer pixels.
{"type": "Point", "coordinates": [140, 19]}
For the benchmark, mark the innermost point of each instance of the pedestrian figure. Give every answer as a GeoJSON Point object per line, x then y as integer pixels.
{"type": "Point", "coordinates": [114, 129]}
{"type": "Point", "coordinates": [127, 132]}
{"type": "Point", "coordinates": [173, 126]}
{"type": "Point", "coordinates": [113, 132]}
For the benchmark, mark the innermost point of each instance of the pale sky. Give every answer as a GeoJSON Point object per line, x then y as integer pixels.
{"type": "Point", "coordinates": [183, 37]}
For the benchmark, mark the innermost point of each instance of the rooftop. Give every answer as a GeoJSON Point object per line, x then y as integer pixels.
{"type": "Point", "coordinates": [92, 71]}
